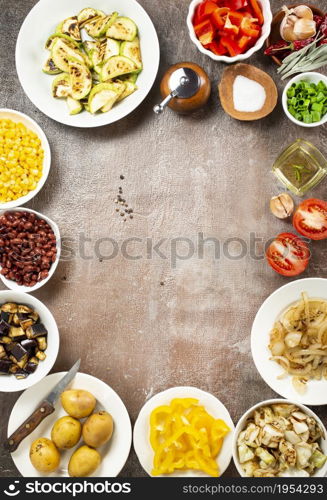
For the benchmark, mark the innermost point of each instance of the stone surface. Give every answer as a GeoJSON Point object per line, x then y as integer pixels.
{"type": "Point", "coordinates": [143, 325]}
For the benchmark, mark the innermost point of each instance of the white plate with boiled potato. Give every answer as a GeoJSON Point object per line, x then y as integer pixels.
{"type": "Point", "coordinates": [114, 453]}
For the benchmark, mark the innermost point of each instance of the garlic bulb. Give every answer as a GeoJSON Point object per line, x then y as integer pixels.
{"type": "Point", "coordinates": [304, 28]}
{"type": "Point", "coordinates": [298, 23]}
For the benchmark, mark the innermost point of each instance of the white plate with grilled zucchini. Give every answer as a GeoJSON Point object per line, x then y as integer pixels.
{"type": "Point", "coordinates": [87, 65]}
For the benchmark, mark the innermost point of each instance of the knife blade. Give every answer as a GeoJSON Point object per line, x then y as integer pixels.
{"type": "Point", "coordinates": [45, 408]}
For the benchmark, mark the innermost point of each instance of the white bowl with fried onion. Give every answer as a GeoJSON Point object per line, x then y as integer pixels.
{"type": "Point", "coordinates": [269, 312]}
{"type": "Point", "coordinates": [241, 424]}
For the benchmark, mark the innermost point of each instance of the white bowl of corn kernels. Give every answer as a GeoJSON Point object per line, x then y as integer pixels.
{"type": "Point", "coordinates": [25, 158]}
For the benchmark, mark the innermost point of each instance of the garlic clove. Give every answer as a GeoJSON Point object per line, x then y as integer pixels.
{"type": "Point", "coordinates": [282, 205]}
{"type": "Point", "coordinates": [304, 28]}
{"type": "Point", "coordinates": [303, 11]}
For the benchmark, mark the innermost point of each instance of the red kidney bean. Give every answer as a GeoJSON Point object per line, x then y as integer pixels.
{"type": "Point", "coordinates": [27, 247]}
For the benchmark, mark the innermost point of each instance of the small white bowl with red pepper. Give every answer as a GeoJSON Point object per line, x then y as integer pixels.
{"type": "Point", "coordinates": [29, 249]}
{"type": "Point", "coordinates": [229, 30]}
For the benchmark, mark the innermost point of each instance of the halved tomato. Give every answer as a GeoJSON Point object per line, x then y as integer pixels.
{"type": "Point", "coordinates": [288, 254]}
{"type": "Point", "coordinates": [310, 219]}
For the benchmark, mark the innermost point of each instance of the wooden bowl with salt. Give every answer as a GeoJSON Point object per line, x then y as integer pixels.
{"type": "Point", "coordinates": [226, 86]}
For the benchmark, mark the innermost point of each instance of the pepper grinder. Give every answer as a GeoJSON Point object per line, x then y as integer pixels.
{"type": "Point", "coordinates": [185, 88]}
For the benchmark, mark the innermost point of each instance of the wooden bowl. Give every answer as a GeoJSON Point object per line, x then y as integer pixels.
{"type": "Point", "coordinates": [225, 88]}
{"type": "Point", "coordinates": [275, 26]}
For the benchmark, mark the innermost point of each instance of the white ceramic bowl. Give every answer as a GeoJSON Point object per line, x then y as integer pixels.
{"type": "Point", "coordinates": [10, 383]}
{"type": "Point", "coordinates": [311, 77]}
{"type": "Point", "coordinates": [114, 453]}
{"type": "Point", "coordinates": [16, 117]}
{"type": "Point", "coordinates": [269, 312]}
{"type": "Point", "coordinates": [141, 439]}
{"type": "Point", "coordinates": [19, 288]}
{"type": "Point", "coordinates": [40, 23]}
{"type": "Point", "coordinates": [242, 423]}
{"type": "Point", "coordinates": [267, 15]}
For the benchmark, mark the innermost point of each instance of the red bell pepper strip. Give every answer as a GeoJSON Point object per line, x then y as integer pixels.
{"type": "Point", "coordinates": [217, 48]}
{"type": "Point", "coordinates": [207, 34]}
{"type": "Point", "coordinates": [257, 11]}
{"type": "Point", "coordinates": [244, 41]}
{"type": "Point", "coordinates": [250, 29]}
{"type": "Point", "coordinates": [205, 9]}
{"type": "Point", "coordinates": [237, 4]}
{"type": "Point", "coordinates": [218, 17]}
{"type": "Point", "coordinates": [236, 17]}
{"type": "Point", "coordinates": [202, 27]}
{"type": "Point", "coordinates": [230, 28]}
{"type": "Point", "coordinates": [231, 46]}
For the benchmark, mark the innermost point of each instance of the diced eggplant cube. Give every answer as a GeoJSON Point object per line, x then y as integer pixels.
{"type": "Point", "coordinates": [34, 315]}
{"type": "Point", "coordinates": [16, 333]}
{"type": "Point", "coordinates": [18, 352]}
{"type": "Point", "coordinates": [30, 345]}
{"type": "Point", "coordinates": [15, 319]}
{"type": "Point", "coordinates": [24, 309]}
{"type": "Point", "coordinates": [3, 353]}
{"type": "Point", "coordinates": [41, 355]}
{"type": "Point", "coordinates": [4, 328]}
{"type": "Point", "coordinates": [26, 323]}
{"type": "Point", "coordinates": [9, 307]}
{"type": "Point", "coordinates": [21, 362]}
{"type": "Point", "coordinates": [30, 367]}
{"type": "Point", "coordinates": [14, 368]}
{"type": "Point", "coordinates": [4, 366]}
{"type": "Point", "coordinates": [42, 343]}
{"type": "Point", "coordinates": [5, 316]}
{"type": "Point", "coordinates": [34, 360]}
{"type": "Point", "coordinates": [21, 375]}
{"type": "Point", "coordinates": [5, 340]}
{"type": "Point", "coordinates": [37, 330]}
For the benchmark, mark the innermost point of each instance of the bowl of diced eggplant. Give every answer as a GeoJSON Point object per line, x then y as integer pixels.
{"type": "Point", "coordinates": [29, 341]}
{"type": "Point", "coordinates": [101, 62]}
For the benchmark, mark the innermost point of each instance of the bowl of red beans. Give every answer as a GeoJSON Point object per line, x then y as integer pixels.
{"type": "Point", "coordinates": [229, 30]}
{"type": "Point", "coordinates": [29, 249]}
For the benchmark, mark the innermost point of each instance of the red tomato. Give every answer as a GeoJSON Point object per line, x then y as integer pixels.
{"type": "Point", "coordinates": [310, 219]}
{"type": "Point", "coordinates": [288, 254]}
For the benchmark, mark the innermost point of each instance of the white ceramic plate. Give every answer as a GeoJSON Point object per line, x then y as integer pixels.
{"type": "Point", "coordinates": [114, 454]}
{"type": "Point", "coordinates": [12, 284]}
{"type": "Point", "coordinates": [249, 413]}
{"type": "Point", "coordinates": [273, 306]}
{"type": "Point", "coordinates": [40, 23]}
{"type": "Point", "coordinates": [213, 406]}
{"type": "Point", "coordinates": [16, 116]}
{"type": "Point", "coordinates": [10, 383]}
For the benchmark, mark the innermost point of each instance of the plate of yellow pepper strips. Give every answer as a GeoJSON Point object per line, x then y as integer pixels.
{"type": "Point", "coordinates": [184, 431]}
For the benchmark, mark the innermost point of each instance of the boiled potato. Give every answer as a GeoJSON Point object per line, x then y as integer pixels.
{"type": "Point", "coordinates": [78, 403]}
{"type": "Point", "coordinates": [66, 432]}
{"type": "Point", "coordinates": [98, 429]}
{"type": "Point", "coordinates": [84, 462]}
{"type": "Point", "coordinates": [44, 455]}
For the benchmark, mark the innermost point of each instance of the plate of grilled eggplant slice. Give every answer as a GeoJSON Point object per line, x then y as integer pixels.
{"type": "Point", "coordinates": [87, 66]}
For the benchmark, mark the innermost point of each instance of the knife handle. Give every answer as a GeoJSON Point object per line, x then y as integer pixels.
{"type": "Point", "coordinates": [27, 427]}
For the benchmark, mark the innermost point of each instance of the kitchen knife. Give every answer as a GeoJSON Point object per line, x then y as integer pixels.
{"type": "Point", "coordinates": [43, 410]}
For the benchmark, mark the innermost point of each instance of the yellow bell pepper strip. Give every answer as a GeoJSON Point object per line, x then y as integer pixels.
{"type": "Point", "coordinates": [183, 435]}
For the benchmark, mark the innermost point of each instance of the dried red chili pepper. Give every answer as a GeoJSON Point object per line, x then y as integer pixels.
{"type": "Point", "coordinates": [277, 47]}
{"type": "Point", "coordinates": [318, 20]}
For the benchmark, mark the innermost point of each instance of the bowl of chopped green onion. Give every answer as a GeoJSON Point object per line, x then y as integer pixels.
{"type": "Point", "coordinates": [305, 99]}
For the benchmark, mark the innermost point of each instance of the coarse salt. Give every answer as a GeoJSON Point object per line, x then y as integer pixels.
{"type": "Point", "coordinates": [248, 95]}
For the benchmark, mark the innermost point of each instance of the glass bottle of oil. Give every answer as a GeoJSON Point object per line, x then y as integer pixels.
{"type": "Point", "coordinates": [300, 167]}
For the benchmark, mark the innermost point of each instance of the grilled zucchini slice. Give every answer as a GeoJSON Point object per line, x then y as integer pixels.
{"type": "Point", "coordinates": [112, 48]}
{"type": "Point", "coordinates": [61, 86]}
{"type": "Point", "coordinates": [52, 38]}
{"type": "Point", "coordinates": [50, 67]}
{"type": "Point", "coordinates": [97, 27]}
{"type": "Point", "coordinates": [61, 53]}
{"type": "Point", "coordinates": [116, 66]}
{"type": "Point", "coordinates": [128, 90]}
{"type": "Point", "coordinates": [86, 14]}
{"type": "Point", "coordinates": [123, 28]}
{"type": "Point", "coordinates": [80, 79]}
{"type": "Point", "coordinates": [133, 51]}
{"type": "Point", "coordinates": [74, 106]}
{"type": "Point", "coordinates": [103, 95]}
{"type": "Point", "coordinates": [129, 77]}
{"type": "Point", "coordinates": [88, 46]}
{"type": "Point", "coordinates": [70, 27]}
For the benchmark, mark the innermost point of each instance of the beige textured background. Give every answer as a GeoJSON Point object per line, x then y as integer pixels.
{"type": "Point", "coordinates": [183, 175]}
